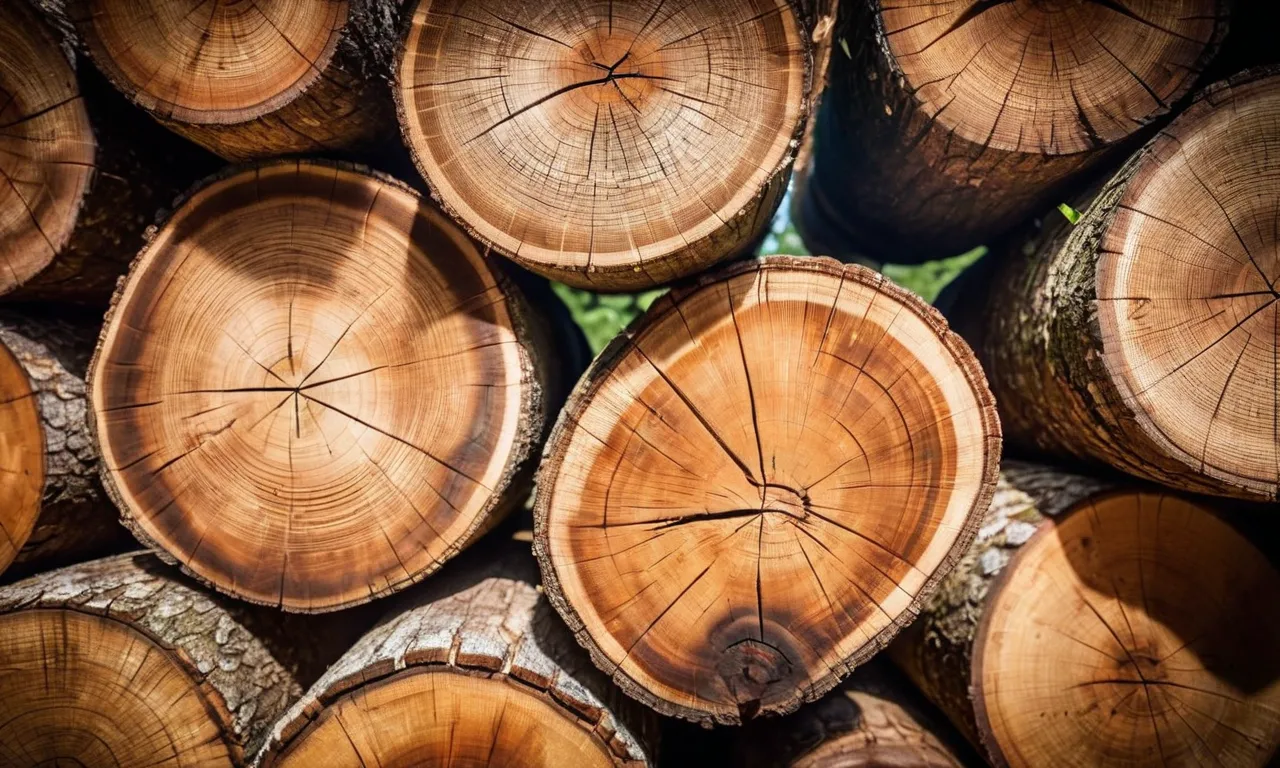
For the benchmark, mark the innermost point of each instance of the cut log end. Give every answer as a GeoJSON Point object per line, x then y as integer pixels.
{"type": "Point", "coordinates": [1052, 78]}
{"type": "Point", "coordinates": [1188, 286]}
{"type": "Point", "coordinates": [47, 148]}
{"type": "Point", "coordinates": [614, 146]}
{"type": "Point", "coordinates": [82, 689]}
{"type": "Point", "coordinates": [21, 458]}
{"type": "Point", "coordinates": [1132, 630]}
{"type": "Point", "coordinates": [751, 491]}
{"type": "Point", "coordinates": [445, 717]}
{"type": "Point", "coordinates": [187, 60]}
{"type": "Point", "coordinates": [308, 366]}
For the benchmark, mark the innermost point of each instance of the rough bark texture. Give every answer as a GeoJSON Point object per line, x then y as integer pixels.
{"type": "Point", "coordinates": [936, 652]}
{"type": "Point", "coordinates": [893, 184]}
{"type": "Point", "coordinates": [75, 518]}
{"type": "Point", "coordinates": [245, 685]}
{"type": "Point", "coordinates": [484, 617]}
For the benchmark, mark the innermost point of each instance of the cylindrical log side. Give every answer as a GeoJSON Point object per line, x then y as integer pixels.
{"type": "Point", "coordinates": [197, 68]}
{"type": "Point", "coordinates": [309, 364]}
{"type": "Point", "coordinates": [1145, 335]}
{"type": "Point", "coordinates": [752, 488]}
{"type": "Point", "coordinates": [473, 668]}
{"type": "Point", "coordinates": [873, 719]}
{"type": "Point", "coordinates": [614, 147]}
{"type": "Point", "coordinates": [1092, 622]}
{"type": "Point", "coordinates": [117, 662]}
{"type": "Point", "coordinates": [54, 510]}
{"type": "Point", "coordinates": [945, 126]}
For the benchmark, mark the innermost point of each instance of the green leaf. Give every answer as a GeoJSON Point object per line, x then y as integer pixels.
{"type": "Point", "coordinates": [844, 46]}
{"type": "Point", "coordinates": [1072, 214]}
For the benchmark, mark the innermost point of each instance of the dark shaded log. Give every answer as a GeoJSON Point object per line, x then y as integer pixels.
{"type": "Point", "coordinates": [1146, 336]}
{"type": "Point", "coordinates": [1094, 624]}
{"type": "Point", "coordinates": [949, 123]}
{"type": "Point", "coordinates": [753, 487]}
{"type": "Point", "coordinates": [54, 510]}
{"type": "Point", "coordinates": [473, 669]}
{"type": "Point", "coordinates": [249, 80]}
{"type": "Point", "coordinates": [116, 662]}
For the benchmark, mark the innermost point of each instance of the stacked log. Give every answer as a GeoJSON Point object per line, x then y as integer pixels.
{"type": "Point", "coordinates": [248, 80]}
{"type": "Point", "coordinates": [1145, 336]}
{"type": "Point", "coordinates": [116, 662]}
{"type": "Point", "coordinates": [619, 146]}
{"type": "Point", "coordinates": [1092, 624]}
{"type": "Point", "coordinates": [308, 366]}
{"type": "Point", "coordinates": [54, 510]}
{"type": "Point", "coordinates": [949, 123]}
{"type": "Point", "coordinates": [473, 670]}
{"type": "Point", "coordinates": [752, 489]}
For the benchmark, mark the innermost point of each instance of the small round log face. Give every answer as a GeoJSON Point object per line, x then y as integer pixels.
{"type": "Point", "coordinates": [86, 690]}
{"type": "Point", "coordinates": [46, 146]}
{"type": "Point", "coordinates": [620, 143]}
{"type": "Point", "coordinates": [1188, 286]}
{"type": "Point", "coordinates": [210, 61]}
{"type": "Point", "coordinates": [1051, 77]}
{"type": "Point", "coordinates": [432, 717]}
{"type": "Point", "coordinates": [751, 490]}
{"type": "Point", "coordinates": [1136, 630]}
{"type": "Point", "coordinates": [21, 458]}
{"type": "Point", "coordinates": [307, 367]}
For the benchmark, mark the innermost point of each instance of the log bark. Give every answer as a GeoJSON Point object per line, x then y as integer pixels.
{"type": "Point", "coordinates": [948, 124]}
{"type": "Point", "coordinates": [1093, 623]}
{"type": "Point", "coordinates": [54, 510]}
{"type": "Point", "coordinates": [309, 365]}
{"type": "Point", "coordinates": [872, 719]}
{"type": "Point", "coordinates": [74, 197]}
{"type": "Point", "coordinates": [116, 662]}
{"type": "Point", "coordinates": [607, 146]}
{"type": "Point", "coordinates": [474, 668]}
{"type": "Point", "coordinates": [1145, 336]}
{"type": "Point", "coordinates": [752, 489]}
{"type": "Point", "coordinates": [249, 81]}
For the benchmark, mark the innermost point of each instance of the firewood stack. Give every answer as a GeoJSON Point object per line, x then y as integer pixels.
{"type": "Point", "coordinates": [302, 461]}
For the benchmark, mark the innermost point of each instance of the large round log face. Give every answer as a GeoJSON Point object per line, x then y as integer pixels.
{"type": "Point", "coordinates": [606, 143]}
{"type": "Point", "coordinates": [187, 60]}
{"type": "Point", "coordinates": [308, 367]}
{"type": "Point", "coordinates": [751, 491]}
{"type": "Point", "coordinates": [438, 717]}
{"type": "Point", "coordinates": [1135, 630]}
{"type": "Point", "coordinates": [1188, 286]}
{"type": "Point", "coordinates": [46, 146]}
{"type": "Point", "coordinates": [1051, 77]}
{"type": "Point", "coordinates": [86, 690]}
{"type": "Point", "coordinates": [21, 458]}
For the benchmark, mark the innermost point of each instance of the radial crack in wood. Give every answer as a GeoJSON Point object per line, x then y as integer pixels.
{"type": "Point", "coordinates": [950, 122]}
{"type": "Point", "coordinates": [308, 366]}
{"type": "Point", "coordinates": [752, 489]}
{"type": "Point", "coordinates": [1090, 625]}
{"type": "Point", "coordinates": [1147, 335]}
{"type": "Point", "coordinates": [608, 146]}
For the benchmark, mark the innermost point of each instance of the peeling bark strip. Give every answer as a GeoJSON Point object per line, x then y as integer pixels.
{"type": "Point", "coordinates": [115, 662]}
{"type": "Point", "coordinates": [752, 489]}
{"type": "Point", "coordinates": [1147, 336]}
{"type": "Point", "coordinates": [474, 669]}
{"type": "Point", "coordinates": [249, 80]}
{"type": "Point", "coordinates": [1092, 626]}
{"type": "Point", "coordinates": [308, 366]}
{"type": "Point", "coordinates": [869, 721]}
{"type": "Point", "coordinates": [950, 122]}
{"type": "Point", "coordinates": [52, 507]}
{"type": "Point", "coordinates": [613, 145]}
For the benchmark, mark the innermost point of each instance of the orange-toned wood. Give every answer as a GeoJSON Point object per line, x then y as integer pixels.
{"type": "Point", "coordinates": [607, 145]}
{"type": "Point", "coordinates": [1092, 625]}
{"type": "Point", "coordinates": [1146, 336]}
{"type": "Point", "coordinates": [754, 487]}
{"type": "Point", "coordinates": [312, 390]}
